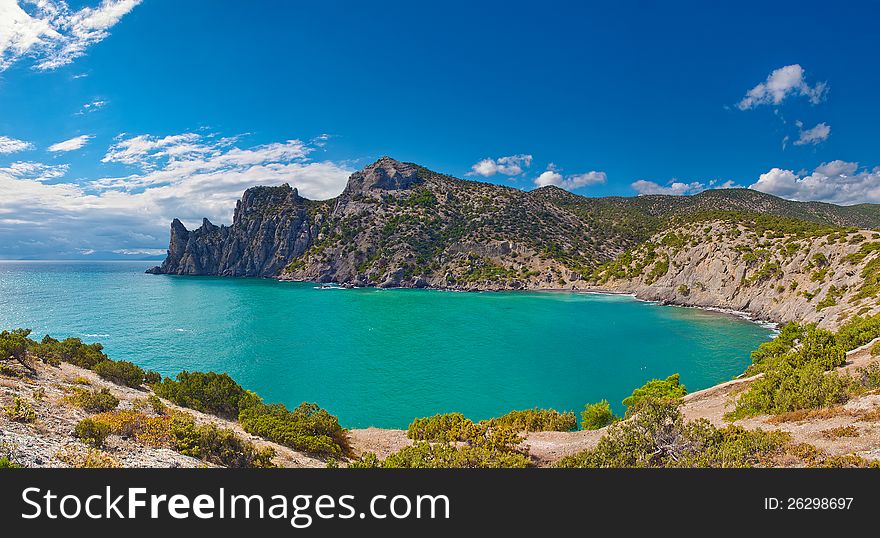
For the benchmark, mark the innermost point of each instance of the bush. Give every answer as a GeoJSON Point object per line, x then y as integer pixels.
{"type": "Point", "coordinates": [657, 436]}
{"type": "Point", "coordinates": [655, 389]}
{"type": "Point", "coordinates": [6, 463]}
{"type": "Point", "coordinates": [130, 424]}
{"type": "Point", "coordinates": [786, 387]}
{"type": "Point", "coordinates": [869, 376]}
{"type": "Point", "coordinates": [858, 331]}
{"type": "Point", "coordinates": [220, 446]}
{"type": "Point", "coordinates": [442, 455]}
{"type": "Point", "coordinates": [536, 420]}
{"type": "Point", "coordinates": [20, 411]}
{"type": "Point", "coordinates": [92, 432]}
{"type": "Point", "coordinates": [447, 427]}
{"type": "Point", "coordinates": [208, 392]}
{"type": "Point", "coordinates": [94, 401]}
{"type": "Point", "coordinates": [307, 428]}
{"type": "Point", "coordinates": [15, 345]}
{"type": "Point", "coordinates": [598, 415]}
{"type": "Point", "coordinates": [796, 365]}
{"type": "Point", "coordinates": [486, 447]}
{"type": "Point", "coordinates": [783, 343]}
{"type": "Point", "coordinates": [121, 373]}
{"type": "Point", "coordinates": [70, 350]}
{"type": "Point", "coordinates": [156, 405]}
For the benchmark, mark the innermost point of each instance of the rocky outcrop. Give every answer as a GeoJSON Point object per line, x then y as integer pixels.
{"type": "Point", "coordinates": [824, 278]}
{"type": "Point", "coordinates": [271, 226]}
{"type": "Point", "coordinates": [396, 224]}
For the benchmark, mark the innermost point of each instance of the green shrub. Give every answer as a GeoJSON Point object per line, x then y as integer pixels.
{"type": "Point", "coordinates": [307, 428]}
{"type": "Point", "coordinates": [156, 404]}
{"type": "Point", "coordinates": [783, 343]}
{"type": "Point", "coordinates": [94, 401]}
{"type": "Point", "coordinates": [657, 436]}
{"type": "Point", "coordinates": [799, 345]}
{"type": "Point", "coordinates": [16, 345]}
{"type": "Point", "coordinates": [655, 389]}
{"type": "Point", "coordinates": [20, 411]}
{"type": "Point", "coordinates": [868, 377]}
{"type": "Point", "coordinates": [427, 455]}
{"type": "Point", "coordinates": [220, 446]}
{"type": "Point", "coordinates": [70, 350]}
{"type": "Point", "coordinates": [6, 463]}
{"type": "Point", "coordinates": [121, 373]}
{"type": "Point", "coordinates": [536, 420]}
{"type": "Point", "coordinates": [787, 387]}
{"type": "Point", "coordinates": [858, 331]}
{"type": "Point", "coordinates": [208, 392]}
{"type": "Point", "coordinates": [92, 432]}
{"type": "Point", "coordinates": [598, 415]}
{"type": "Point", "coordinates": [485, 447]}
{"type": "Point", "coordinates": [441, 427]}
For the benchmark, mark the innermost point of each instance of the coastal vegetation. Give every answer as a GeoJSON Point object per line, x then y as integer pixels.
{"type": "Point", "coordinates": [208, 392]}
{"type": "Point", "coordinates": [662, 390]}
{"type": "Point", "coordinates": [598, 415]}
{"type": "Point", "coordinates": [94, 401]}
{"type": "Point", "coordinates": [453, 442]}
{"type": "Point", "coordinates": [797, 368]}
{"type": "Point", "coordinates": [799, 378]}
{"type": "Point", "coordinates": [308, 427]}
{"type": "Point", "coordinates": [658, 436]}
{"type": "Point", "coordinates": [536, 420]}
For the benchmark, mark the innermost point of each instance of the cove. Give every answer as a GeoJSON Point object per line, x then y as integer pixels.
{"type": "Point", "coordinates": [380, 357]}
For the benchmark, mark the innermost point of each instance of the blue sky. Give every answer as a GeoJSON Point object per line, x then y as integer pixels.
{"type": "Point", "coordinates": [118, 115]}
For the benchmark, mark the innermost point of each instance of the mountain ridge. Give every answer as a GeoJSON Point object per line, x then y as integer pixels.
{"type": "Point", "coordinates": [401, 225]}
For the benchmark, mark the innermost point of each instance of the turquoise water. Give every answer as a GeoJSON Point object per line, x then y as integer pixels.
{"type": "Point", "coordinates": [379, 357]}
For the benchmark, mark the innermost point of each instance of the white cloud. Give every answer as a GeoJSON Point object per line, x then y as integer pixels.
{"type": "Point", "coordinates": [92, 106]}
{"type": "Point", "coordinates": [553, 176]}
{"type": "Point", "coordinates": [676, 188]}
{"type": "Point", "coordinates": [838, 182]}
{"type": "Point", "coordinates": [13, 145]}
{"type": "Point", "coordinates": [34, 171]}
{"type": "Point", "coordinates": [679, 188]}
{"type": "Point", "coordinates": [512, 165]}
{"type": "Point", "coordinates": [781, 83]}
{"type": "Point", "coordinates": [71, 144]}
{"type": "Point", "coordinates": [817, 134]}
{"type": "Point", "coordinates": [194, 177]}
{"type": "Point", "coordinates": [53, 34]}
{"type": "Point", "coordinates": [140, 251]}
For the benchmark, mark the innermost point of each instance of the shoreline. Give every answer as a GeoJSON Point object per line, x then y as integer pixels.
{"type": "Point", "coordinates": [741, 314]}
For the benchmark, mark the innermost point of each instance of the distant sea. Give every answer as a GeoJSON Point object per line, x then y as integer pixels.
{"type": "Point", "coordinates": [380, 357]}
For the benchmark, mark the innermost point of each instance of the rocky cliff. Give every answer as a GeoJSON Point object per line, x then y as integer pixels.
{"type": "Point", "coordinates": [805, 275]}
{"type": "Point", "coordinates": [271, 226]}
{"type": "Point", "coordinates": [398, 224]}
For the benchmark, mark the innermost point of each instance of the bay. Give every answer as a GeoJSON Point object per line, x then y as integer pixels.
{"type": "Point", "coordinates": [380, 357]}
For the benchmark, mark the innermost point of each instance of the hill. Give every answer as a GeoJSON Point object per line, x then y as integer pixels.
{"type": "Point", "coordinates": [400, 224]}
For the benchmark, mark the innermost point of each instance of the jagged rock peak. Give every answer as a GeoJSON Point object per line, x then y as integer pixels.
{"type": "Point", "coordinates": [257, 199]}
{"type": "Point", "coordinates": [385, 174]}
{"type": "Point", "coordinates": [262, 194]}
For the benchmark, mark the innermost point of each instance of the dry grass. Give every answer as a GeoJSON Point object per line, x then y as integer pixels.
{"type": "Point", "coordinates": [87, 459]}
{"type": "Point", "coordinates": [842, 431]}
{"type": "Point", "coordinates": [870, 416]}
